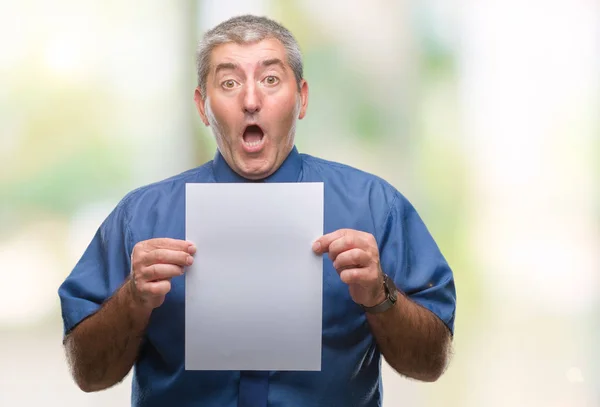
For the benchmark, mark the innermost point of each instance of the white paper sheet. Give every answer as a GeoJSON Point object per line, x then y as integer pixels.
{"type": "Point", "coordinates": [253, 297]}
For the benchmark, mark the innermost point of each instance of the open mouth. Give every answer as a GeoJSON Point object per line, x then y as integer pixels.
{"type": "Point", "coordinates": [253, 135]}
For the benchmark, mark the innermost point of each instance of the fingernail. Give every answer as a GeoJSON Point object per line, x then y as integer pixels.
{"type": "Point", "coordinates": [190, 260]}
{"type": "Point", "coordinates": [192, 249]}
{"type": "Point", "coordinates": [316, 246]}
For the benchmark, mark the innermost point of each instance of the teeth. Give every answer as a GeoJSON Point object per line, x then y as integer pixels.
{"type": "Point", "coordinates": [253, 143]}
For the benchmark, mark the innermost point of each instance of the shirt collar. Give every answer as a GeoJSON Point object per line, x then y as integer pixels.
{"type": "Point", "coordinates": [289, 171]}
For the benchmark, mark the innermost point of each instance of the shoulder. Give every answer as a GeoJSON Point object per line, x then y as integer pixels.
{"type": "Point", "coordinates": [353, 179]}
{"type": "Point", "coordinates": [331, 168]}
{"type": "Point", "coordinates": [166, 189]}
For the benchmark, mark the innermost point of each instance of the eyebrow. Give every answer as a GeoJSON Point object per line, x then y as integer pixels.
{"type": "Point", "coordinates": [273, 61]}
{"type": "Point", "coordinates": [231, 66]}
{"type": "Point", "coordinates": [225, 66]}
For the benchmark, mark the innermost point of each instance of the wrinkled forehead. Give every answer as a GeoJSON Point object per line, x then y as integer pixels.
{"type": "Point", "coordinates": [248, 56]}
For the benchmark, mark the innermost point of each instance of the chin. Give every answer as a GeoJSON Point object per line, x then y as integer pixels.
{"type": "Point", "coordinates": [257, 174]}
{"type": "Point", "coordinates": [256, 171]}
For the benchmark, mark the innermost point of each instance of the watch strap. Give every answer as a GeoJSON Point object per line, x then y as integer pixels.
{"type": "Point", "coordinates": [381, 307]}
{"type": "Point", "coordinates": [391, 293]}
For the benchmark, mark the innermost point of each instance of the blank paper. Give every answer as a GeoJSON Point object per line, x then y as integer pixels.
{"type": "Point", "coordinates": [253, 297]}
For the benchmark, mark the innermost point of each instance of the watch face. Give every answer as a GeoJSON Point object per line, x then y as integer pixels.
{"type": "Point", "coordinates": [390, 286]}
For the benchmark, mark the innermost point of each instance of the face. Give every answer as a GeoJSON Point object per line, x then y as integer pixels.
{"type": "Point", "coordinates": [252, 104]}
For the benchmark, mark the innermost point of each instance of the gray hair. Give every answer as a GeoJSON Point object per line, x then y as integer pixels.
{"type": "Point", "coordinates": [243, 30]}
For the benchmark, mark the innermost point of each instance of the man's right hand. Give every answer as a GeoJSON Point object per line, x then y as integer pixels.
{"type": "Point", "coordinates": [153, 263]}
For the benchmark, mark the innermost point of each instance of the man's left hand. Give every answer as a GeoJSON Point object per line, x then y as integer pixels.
{"type": "Point", "coordinates": [355, 256]}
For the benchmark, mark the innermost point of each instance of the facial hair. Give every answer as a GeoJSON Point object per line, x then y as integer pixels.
{"type": "Point", "coordinates": [214, 124]}
{"type": "Point", "coordinates": [295, 113]}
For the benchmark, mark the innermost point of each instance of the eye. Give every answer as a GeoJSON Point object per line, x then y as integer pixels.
{"type": "Point", "coordinates": [271, 80]}
{"type": "Point", "coordinates": [229, 84]}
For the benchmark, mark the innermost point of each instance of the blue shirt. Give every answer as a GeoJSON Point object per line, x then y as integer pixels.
{"type": "Point", "coordinates": [351, 362]}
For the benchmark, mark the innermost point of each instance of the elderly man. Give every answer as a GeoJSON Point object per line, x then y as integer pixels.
{"type": "Point", "coordinates": [387, 289]}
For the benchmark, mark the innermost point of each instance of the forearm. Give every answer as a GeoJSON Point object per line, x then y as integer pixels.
{"type": "Point", "coordinates": [412, 340]}
{"type": "Point", "coordinates": [102, 349]}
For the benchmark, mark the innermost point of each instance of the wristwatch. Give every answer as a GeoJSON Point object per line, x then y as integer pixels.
{"type": "Point", "coordinates": [391, 293]}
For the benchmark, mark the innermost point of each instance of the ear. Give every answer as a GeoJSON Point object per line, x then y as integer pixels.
{"type": "Point", "coordinates": [200, 106]}
{"type": "Point", "coordinates": [303, 99]}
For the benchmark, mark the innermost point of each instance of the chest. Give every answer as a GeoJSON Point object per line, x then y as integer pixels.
{"type": "Point", "coordinates": [343, 322]}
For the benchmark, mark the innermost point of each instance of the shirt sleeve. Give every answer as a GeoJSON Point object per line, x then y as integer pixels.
{"type": "Point", "coordinates": [100, 271]}
{"type": "Point", "coordinates": [411, 257]}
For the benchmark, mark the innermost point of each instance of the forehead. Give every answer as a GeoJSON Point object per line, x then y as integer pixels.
{"type": "Point", "coordinates": [248, 55]}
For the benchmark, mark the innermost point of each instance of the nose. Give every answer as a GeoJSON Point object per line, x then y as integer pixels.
{"type": "Point", "coordinates": [252, 99]}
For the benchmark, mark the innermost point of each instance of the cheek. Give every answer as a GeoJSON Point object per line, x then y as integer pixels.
{"type": "Point", "coordinates": [281, 108]}
{"type": "Point", "coordinates": [223, 114]}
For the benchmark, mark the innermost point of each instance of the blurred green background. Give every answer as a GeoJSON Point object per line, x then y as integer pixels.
{"type": "Point", "coordinates": [484, 114]}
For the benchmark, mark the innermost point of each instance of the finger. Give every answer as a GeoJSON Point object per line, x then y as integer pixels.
{"type": "Point", "coordinates": [168, 243]}
{"type": "Point", "coordinates": [361, 276]}
{"type": "Point", "coordinates": [353, 258]}
{"type": "Point", "coordinates": [157, 288]}
{"type": "Point", "coordinates": [347, 242]}
{"type": "Point", "coordinates": [321, 245]}
{"type": "Point", "coordinates": [166, 256]}
{"type": "Point", "coordinates": [161, 271]}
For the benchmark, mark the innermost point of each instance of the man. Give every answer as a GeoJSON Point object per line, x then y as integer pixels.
{"type": "Point", "coordinates": [387, 289]}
